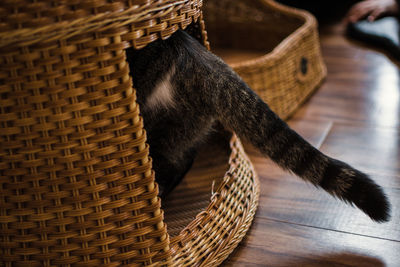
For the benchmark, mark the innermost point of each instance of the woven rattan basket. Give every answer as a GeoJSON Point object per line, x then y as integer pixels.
{"type": "Point", "coordinates": [76, 184]}
{"type": "Point", "coordinates": [274, 48]}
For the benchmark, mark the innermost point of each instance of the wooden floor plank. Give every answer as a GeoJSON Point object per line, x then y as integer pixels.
{"type": "Point", "coordinates": [362, 85]}
{"type": "Point", "coordinates": [374, 149]}
{"type": "Point", "coordinates": [274, 243]}
{"type": "Point", "coordinates": [286, 198]}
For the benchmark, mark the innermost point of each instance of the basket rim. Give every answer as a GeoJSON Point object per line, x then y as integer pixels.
{"type": "Point", "coordinates": [125, 16]}
{"type": "Point", "coordinates": [309, 23]}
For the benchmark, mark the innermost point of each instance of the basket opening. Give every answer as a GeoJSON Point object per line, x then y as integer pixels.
{"type": "Point", "coordinates": [247, 29]}
{"type": "Point", "coordinates": [193, 194]}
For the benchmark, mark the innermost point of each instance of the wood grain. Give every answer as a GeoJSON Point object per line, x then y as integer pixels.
{"type": "Point", "coordinates": [274, 243]}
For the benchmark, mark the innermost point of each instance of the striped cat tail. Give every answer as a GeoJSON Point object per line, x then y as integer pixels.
{"type": "Point", "coordinates": [243, 111]}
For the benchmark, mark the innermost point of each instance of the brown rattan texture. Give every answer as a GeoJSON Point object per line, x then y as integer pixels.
{"type": "Point", "coordinates": [76, 185]}
{"type": "Point", "coordinates": [140, 22]}
{"type": "Point", "coordinates": [291, 67]}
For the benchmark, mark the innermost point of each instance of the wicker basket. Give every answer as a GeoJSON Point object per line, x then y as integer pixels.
{"type": "Point", "coordinates": [274, 48]}
{"type": "Point", "coordinates": [76, 184]}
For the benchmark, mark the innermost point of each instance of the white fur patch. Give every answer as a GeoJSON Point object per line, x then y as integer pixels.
{"type": "Point", "coordinates": [163, 94]}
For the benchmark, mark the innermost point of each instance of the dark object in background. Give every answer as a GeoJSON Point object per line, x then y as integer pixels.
{"type": "Point", "coordinates": [324, 11]}
{"type": "Point", "coordinates": [382, 33]}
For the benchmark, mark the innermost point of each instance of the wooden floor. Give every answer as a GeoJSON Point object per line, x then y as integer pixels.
{"type": "Point", "coordinates": [355, 117]}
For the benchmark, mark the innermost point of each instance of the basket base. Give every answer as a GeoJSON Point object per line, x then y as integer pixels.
{"type": "Point", "coordinates": [193, 194]}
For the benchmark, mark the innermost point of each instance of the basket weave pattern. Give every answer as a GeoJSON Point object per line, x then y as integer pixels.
{"type": "Point", "coordinates": [76, 184]}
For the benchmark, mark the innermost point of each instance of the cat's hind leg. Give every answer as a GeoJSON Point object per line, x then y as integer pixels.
{"type": "Point", "coordinates": [170, 172]}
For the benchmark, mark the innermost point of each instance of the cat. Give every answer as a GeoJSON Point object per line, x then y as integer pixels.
{"type": "Point", "coordinates": [183, 90]}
